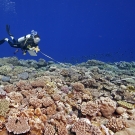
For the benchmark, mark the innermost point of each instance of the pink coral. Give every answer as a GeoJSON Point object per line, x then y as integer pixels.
{"type": "Point", "coordinates": [56, 97]}
{"type": "Point", "coordinates": [47, 101]}
{"type": "Point", "coordinates": [38, 83]}
{"type": "Point", "coordinates": [15, 96]}
{"type": "Point", "coordinates": [116, 124]}
{"type": "Point", "coordinates": [78, 86]}
{"type": "Point", "coordinates": [49, 129]}
{"type": "Point", "coordinates": [17, 125]}
{"type": "Point", "coordinates": [107, 106]}
{"type": "Point", "coordinates": [89, 108]}
{"type": "Point", "coordinates": [84, 127]}
{"type": "Point", "coordinates": [35, 102]}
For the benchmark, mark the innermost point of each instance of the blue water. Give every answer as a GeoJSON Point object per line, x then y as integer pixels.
{"type": "Point", "coordinates": [72, 30]}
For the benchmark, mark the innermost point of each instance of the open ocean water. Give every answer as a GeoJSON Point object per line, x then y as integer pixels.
{"type": "Point", "coordinates": [72, 31]}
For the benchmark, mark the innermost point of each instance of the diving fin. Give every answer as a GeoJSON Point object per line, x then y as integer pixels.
{"type": "Point", "coordinates": [8, 30]}
{"type": "Point", "coordinates": [2, 41]}
{"type": "Point", "coordinates": [32, 53]}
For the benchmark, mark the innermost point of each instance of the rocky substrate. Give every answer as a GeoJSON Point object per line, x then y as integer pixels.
{"type": "Point", "coordinates": [46, 98]}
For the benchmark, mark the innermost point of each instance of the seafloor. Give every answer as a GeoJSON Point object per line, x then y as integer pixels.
{"type": "Point", "coordinates": [45, 98]}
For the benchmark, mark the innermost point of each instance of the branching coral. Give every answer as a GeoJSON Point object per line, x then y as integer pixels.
{"type": "Point", "coordinates": [17, 125]}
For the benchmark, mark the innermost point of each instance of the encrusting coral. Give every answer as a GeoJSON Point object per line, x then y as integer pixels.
{"type": "Point", "coordinates": [77, 86]}
{"type": "Point", "coordinates": [125, 104]}
{"type": "Point", "coordinates": [4, 107]}
{"type": "Point", "coordinates": [107, 106]}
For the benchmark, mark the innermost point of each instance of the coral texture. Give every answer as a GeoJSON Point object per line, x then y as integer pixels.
{"type": "Point", "coordinates": [82, 127]}
{"type": "Point", "coordinates": [116, 124]}
{"type": "Point", "coordinates": [49, 129]}
{"type": "Point", "coordinates": [4, 107]}
{"type": "Point", "coordinates": [125, 104]}
{"type": "Point", "coordinates": [107, 106]}
{"type": "Point", "coordinates": [89, 108]}
{"type": "Point", "coordinates": [17, 125]}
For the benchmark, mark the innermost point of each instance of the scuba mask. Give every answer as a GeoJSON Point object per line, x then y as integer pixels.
{"type": "Point", "coordinates": [35, 37]}
{"type": "Point", "coordinates": [33, 33]}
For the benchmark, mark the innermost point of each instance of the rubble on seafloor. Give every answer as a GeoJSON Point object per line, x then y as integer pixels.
{"type": "Point", "coordinates": [45, 98]}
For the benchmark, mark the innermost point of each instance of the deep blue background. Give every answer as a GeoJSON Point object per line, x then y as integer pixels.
{"type": "Point", "coordinates": [72, 30]}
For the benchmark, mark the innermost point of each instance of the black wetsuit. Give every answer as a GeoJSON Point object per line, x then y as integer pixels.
{"type": "Point", "coordinates": [24, 45]}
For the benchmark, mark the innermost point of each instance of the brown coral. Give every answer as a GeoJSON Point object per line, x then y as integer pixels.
{"type": "Point", "coordinates": [56, 97]}
{"type": "Point", "coordinates": [51, 109]}
{"type": "Point", "coordinates": [38, 83]}
{"type": "Point", "coordinates": [116, 124]}
{"type": "Point", "coordinates": [107, 106]}
{"type": "Point", "coordinates": [35, 102]}
{"type": "Point", "coordinates": [49, 129]}
{"type": "Point", "coordinates": [15, 96]}
{"type": "Point", "coordinates": [9, 88]}
{"type": "Point", "coordinates": [89, 108]}
{"type": "Point", "coordinates": [78, 86]}
{"type": "Point", "coordinates": [17, 125]}
{"type": "Point", "coordinates": [84, 127]}
{"type": "Point", "coordinates": [47, 101]}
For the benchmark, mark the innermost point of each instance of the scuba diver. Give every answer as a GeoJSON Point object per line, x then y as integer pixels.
{"type": "Point", "coordinates": [26, 43]}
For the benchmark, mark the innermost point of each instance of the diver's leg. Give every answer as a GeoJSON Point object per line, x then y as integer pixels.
{"type": "Point", "coordinates": [8, 31]}
{"type": "Point", "coordinates": [12, 44]}
{"type": "Point", "coordinates": [2, 41]}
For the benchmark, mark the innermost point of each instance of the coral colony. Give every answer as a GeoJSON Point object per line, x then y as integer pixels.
{"type": "Point", "coordinates": [45, 98]}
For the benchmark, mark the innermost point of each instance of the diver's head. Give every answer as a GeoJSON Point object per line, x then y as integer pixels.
{"type": "Point", "coordinates": [36, 39]}
{"type": "Point", "coordinates": [35, 36]}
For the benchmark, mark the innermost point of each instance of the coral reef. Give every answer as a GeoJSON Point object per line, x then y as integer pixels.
{"type": "Point", "coordinates": [45, 98]}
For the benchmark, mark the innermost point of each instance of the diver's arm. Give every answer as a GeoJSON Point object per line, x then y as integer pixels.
{"type": "Point", "coordinates": [35, 48]}
{"type": "Point", "coordinates": [24, 38]}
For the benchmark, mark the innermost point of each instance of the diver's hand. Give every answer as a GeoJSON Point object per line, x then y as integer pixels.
{"type": "Point", "coordinates": [37, 49]}
{"type": "Point", "coordinates": [32, 48]}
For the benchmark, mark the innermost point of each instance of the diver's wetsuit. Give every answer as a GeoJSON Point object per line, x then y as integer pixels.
{"type": "Point", "coordinates": [24, 45]}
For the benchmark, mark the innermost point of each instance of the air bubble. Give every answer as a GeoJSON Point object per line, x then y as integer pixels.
{"type": "Point", "coordinates": [7, 6]}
